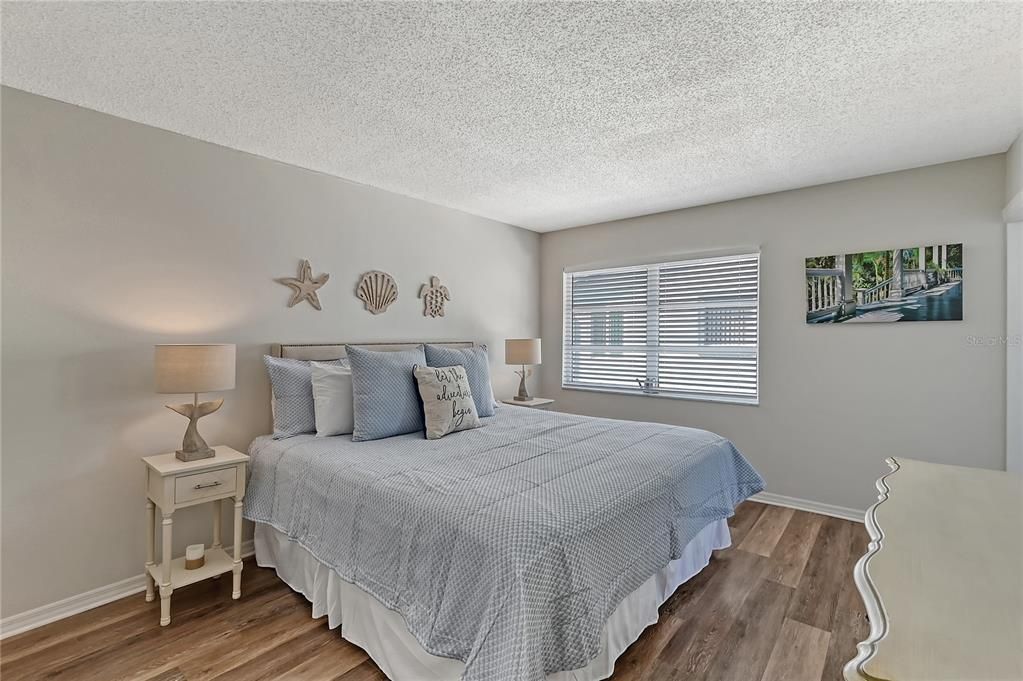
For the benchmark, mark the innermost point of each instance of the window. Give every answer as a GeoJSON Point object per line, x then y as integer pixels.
{"type": "Point", "coordinates": [682, 329]}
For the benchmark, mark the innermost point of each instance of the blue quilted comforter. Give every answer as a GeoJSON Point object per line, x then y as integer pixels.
{"type": "Point", "coordinates": [507, 546]}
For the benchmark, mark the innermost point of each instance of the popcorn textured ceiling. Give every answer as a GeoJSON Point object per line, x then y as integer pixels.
{"type": "Point", "coordinates": [546, 115]}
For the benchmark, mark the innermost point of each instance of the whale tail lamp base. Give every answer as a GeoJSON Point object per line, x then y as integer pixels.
{"type": "Point", "coordinates": [522, 351]}
{"type": "Point", "coordinates": [194, 369]}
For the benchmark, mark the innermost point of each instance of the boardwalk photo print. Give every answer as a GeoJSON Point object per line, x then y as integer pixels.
{"type": "Point", "coordinates": [918, 284]}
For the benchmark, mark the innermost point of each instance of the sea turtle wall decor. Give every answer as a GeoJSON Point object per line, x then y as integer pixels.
{"type": "Point", "coordinates": [305, 285]}
{"type": "Point", "coordinates": [434, 296]}
{"type": "Point", "coordinates": [377, 290]}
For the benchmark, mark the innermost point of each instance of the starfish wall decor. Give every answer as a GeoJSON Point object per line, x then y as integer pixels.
{"type": "Point", "coordinates": [304, 286]}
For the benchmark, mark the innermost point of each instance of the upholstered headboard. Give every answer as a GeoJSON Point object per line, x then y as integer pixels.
{"type": "Point", "coordinates": [328, 351]}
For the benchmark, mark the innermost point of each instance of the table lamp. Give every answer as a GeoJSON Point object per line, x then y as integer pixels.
{"type": "Point", "coordinates": [522, 351]}
{"type": "Point", "coordinates": [194, 369]}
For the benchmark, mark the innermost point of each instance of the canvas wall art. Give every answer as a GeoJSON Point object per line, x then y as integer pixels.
{"type": "Point", "coordinates": [918, 284]}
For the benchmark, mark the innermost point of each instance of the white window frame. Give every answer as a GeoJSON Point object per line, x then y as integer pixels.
{"type": "Point", "coordinates": [653, 270]}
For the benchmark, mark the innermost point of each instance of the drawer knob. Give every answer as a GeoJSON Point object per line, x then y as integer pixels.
{"type": "Point", "coordinates": [212, 484]}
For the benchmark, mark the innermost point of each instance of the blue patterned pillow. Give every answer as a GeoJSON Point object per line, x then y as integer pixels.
{"type": "Point", "coordinates": [477, 366]}
{"type": "Point", "coordinates": [291, 381]}
{"type": "Point", "coordinates": [384, 392]}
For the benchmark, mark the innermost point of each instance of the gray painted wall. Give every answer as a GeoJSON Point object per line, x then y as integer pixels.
{"type": "Point", "coordinates": [117, 236]}
{"type": "Point", "coordinates": [1014, 305]}
{"type": "Point", "coordinates": [1014, 170]}
{"type": "Point", "coordinates": [835, 400]}
{"type": "Point", "coordinates": [1014, 347]}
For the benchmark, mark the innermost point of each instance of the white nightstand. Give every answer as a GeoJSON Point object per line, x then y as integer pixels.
{"type": "Point", "coordinates": [172, 484]}
{"type": "Point", "coordinates": [535, 403]}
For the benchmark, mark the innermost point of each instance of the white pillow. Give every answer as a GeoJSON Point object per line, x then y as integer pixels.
{"type": "Point", "coordinates": [332, 399]}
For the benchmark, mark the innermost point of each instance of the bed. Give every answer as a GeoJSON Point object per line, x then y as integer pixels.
{"type": "Point", "coordinates": [536, 547]}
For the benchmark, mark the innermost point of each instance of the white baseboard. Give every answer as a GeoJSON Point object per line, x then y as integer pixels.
{"type": "Point", "coordinates": [842, 512]}
{"type": "Point", "coordinates": [37, 617]}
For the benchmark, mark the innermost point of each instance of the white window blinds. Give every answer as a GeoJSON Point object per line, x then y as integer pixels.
{"type": "Point", "coordinates": [685, 329]}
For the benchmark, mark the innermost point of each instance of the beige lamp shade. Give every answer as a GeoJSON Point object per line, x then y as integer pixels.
{"type": "Point", "coordinates": [194, 368]}
{"type": "Point", "coordinates": [522, 351]}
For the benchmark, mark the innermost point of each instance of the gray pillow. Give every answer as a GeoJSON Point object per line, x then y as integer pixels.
{"type": "Point", "coordinates": [447, 400]}
{"type": "Point", "coordinates": [384, 392]}
{"type": "Point", "coordinates": [477, 368]}
{"type": "Point", "coordinates": [291, 381]}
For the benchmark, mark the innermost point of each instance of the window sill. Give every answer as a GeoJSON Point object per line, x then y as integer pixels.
{"type": "Point", "coordinates": [742, 402]}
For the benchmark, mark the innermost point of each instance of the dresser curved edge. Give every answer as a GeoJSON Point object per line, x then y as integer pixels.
{"type": "Point", "coordinates": [853, 670]}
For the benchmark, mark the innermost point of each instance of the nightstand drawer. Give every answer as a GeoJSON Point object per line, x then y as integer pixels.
{"type": "Point", "coordinates": [202, 485]}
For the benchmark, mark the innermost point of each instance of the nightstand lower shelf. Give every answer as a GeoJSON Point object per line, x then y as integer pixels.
{"type": "Point", "coordinates": [218, 562]}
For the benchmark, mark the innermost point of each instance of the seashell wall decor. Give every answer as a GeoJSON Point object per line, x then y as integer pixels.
{"type": "Point", "coordinates": [377, 290]}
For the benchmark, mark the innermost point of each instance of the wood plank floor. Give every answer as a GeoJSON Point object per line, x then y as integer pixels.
{"type": "Point", "coordinates": [778, 606]}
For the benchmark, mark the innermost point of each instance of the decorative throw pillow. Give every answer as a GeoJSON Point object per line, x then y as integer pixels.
{"type": "Point", "coordinates": [332, 399]}
{"type": "Point", "coordinates": [477, 368]}
{"type": "Point", "coordinates": [384, 392]}
{"type": "Point", "coordinates": [292, 384]}
{"type": "Point", "coordinates": [447, 400]}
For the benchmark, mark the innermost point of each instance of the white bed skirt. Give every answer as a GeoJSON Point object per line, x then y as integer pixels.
{"type": "Point", "coordinates": [383, 634]}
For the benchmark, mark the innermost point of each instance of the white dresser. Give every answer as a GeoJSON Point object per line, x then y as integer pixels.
{"type": "Point", "coordinates": [942, 579]}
